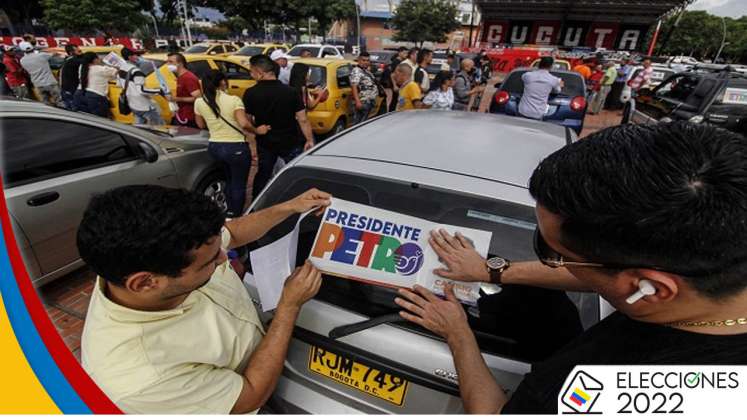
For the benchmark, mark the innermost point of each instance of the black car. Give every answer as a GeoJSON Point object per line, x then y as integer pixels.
{"type": "Point", "coordinates": [715, 96]}
{"type": "Point", "coordinates": [380, 60]}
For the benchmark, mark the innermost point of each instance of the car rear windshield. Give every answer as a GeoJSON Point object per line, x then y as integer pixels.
{"type": "Point", "coordinates": [296, 51]}
{"type": "Point", "coordinates": [509, 323]}
{"type": "Point", "coordinates": [574, 83]}
{"type": "Point", "coordinates": [197, 49]}
{"type": "Point", "coordinates": [250, 51]}
{"type": "Point", "coordinates": [317, 76]}
{"type": "Point", "coordinates": [149, 68]}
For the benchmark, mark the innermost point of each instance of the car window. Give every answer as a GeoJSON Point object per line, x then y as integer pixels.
{"type": "Point", "coordinates": [200, 68]}
{"type": "Point", "coordinates": [512, 323]}
{"type": "Point", "coordinates": [151, 65]}
{"type": "Point", "coordinates": [317, 76]}
{"type": "Point", "coordinates": [733, 94]}
{"type": "Point", "coordinates": [229, 48]}
{"type": "Point", "coordinates": [330, 52]}
{"type": "Point", "coordinates": [218, 49]}
{"type": "Point", "coordinates": [296, 51]}
{"type": "Point", "coordinates": [574, 83]}
{"type": "Point", "coordinates": [343, 76]}
{"type": "Point", "coordinates": [35, 149]}
{"type": "Point", "coordinates": [250, 51]}
{"type": "Point", "coordinates": [233, 70]}
{"type": "Point", "coordinates": [197, 49]}
{"type": "Point", "coordinates": [678, 88]}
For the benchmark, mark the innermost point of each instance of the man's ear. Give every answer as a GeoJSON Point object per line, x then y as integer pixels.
{"type": "Point", "coordinates": [143, 282]}
{"type": "Point", "coordinates": [666, 285]}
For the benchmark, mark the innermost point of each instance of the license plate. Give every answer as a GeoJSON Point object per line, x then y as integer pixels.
{"type": "Point", "coordinates": [388, 387]}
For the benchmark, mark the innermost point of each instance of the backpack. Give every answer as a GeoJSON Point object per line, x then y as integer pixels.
{"type": "Point", "coordinates": [122, 104]}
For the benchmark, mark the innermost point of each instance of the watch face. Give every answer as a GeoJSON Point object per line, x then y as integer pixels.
{"type": "Point", "coordinates": [496, 263]}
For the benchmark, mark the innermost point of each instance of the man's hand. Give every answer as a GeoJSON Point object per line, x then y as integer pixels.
{"type": "Point", "coordinates": [310, 199]}
{"type": "Point", "coordinates": [262, 129]}
{"type": "Point", "coordinates": [358, 105]}
{"type": "Point", "coordinates": [444, 317]}
{"type": "Point", "coordinates": [301, 286]}
{"type": "Point", "coordinates": [457, 253]}
{"type": "Point", "coordinates": [308, 145]}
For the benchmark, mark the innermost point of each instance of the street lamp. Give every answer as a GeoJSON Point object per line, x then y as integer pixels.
{"type": "Point", "coordinates": [723, 40]}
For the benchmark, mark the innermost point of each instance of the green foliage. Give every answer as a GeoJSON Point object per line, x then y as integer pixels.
{"type": "Point", "coordinates": [424, 20]}
{"type": "Point", "coordinates": [327, 12]}
{"type": "Point", "coordinates": [86, 16]}
{"type": "Point", "coordinates": [699, 34]}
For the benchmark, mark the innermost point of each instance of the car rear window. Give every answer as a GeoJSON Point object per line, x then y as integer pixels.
{"type": "Point", "coordinates": [148, 68]}
{"type": "Point", "coordinates": [250, 51]}
{"type": "Point", "coordinates": [574, 83]}
{"type": "Point", "coordinates": [508, 323]}
{"type": "Point", "coordinates": [197, 49]}
{"type": "Point", "coordinates": [296, 51]}
{"type": "Point", "coordinates": [317, 76]}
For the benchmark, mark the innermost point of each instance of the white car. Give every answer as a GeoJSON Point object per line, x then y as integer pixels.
{"type": "Point", "coordinates": [317, 51]}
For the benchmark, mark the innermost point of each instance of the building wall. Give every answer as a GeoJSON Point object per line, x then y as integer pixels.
{"type": "Point", "coordinates": [378, 35]}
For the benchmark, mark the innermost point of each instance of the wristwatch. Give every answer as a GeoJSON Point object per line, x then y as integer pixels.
{"type": "Point", "coordinates": [496, 266]}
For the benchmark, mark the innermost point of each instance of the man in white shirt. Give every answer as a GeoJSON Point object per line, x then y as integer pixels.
{"type": "Point", "coordinates": [538, 85]}
{"type": "Point", "coordinates": [37, 66]}
{"type": "Point", "coordinates": [281, 58]}
{"type": "Point", "coordinates": [139, 97]}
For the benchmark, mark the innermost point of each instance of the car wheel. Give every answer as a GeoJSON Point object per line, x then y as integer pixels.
{"type": "Point", "coordinates": [214, 186]}
{"type": "Point", "coordinates": [627, 111]}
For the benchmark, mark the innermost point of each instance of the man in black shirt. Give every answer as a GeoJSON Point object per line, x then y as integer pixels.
{"type": "Point", "coordinates": [281, 107]}
{"type": "Point", "coordinates": [69, 75]}
{"type": "Point", "coordinates": [654, 220]}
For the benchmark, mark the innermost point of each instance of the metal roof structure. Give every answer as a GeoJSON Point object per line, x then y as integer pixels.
{"type": "Point", "coordinates": [623, 11]}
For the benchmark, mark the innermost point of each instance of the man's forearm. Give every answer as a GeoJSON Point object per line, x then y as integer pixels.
{"type": "Point", "coordinates": [480, 393]}
{"type": "Point", "coordinates": [249, 228]}
{"type": "Point", "coordinates": [354, 90]}
{"type": "Point", "coordinates": [306, 130]}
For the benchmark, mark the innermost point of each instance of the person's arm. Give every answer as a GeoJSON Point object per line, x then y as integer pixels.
{"type": "Point", "coordinates": [243, 120]}
{"type": "Point", "coordinates": [461, 89]}
{"type": "Point", "coordinates": [463, 263]}
{"type": "Point", "coordinates": [356, 96]}
{"type": "Point", "coordinates": [266, 362]}
{"type": "Point", "coordinates": [249, 228]}
{"type": "Point", "coordinates": [305, 124]}
{"type": "Point", "coordinates": [480, 393]}
{"type": "Point", "coordinates": [313, 99]}
{"type": "Point", "coordinates": [188, 99]}
{"type": "Point", "coordinates": [200, 121]}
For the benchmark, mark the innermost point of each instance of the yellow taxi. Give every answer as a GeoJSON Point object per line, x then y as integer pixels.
{"type": "Point", "coordinates": [102, 51]}
{"type": "Point", "coordinates": [249, 51]}
{"type": "Point", "coordinates": [212, 48]}
{"type": "Point", "coordinates": [239, 79]}
{"type": "Point", "coordinates": [336, 113]}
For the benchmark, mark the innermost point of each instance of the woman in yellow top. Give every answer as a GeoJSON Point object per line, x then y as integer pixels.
{"type": "Point", "coordinates": [224, 116]}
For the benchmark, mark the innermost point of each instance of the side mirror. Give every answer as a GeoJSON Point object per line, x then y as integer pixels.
{"type": "Point", "coordinates": [149, 153]}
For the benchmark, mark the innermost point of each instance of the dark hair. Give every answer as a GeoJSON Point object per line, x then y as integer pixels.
{"type": "Point", "coordinates": [441, 77]}
{"type": "Point", "coordinates": [667, 195]}
{"type": "Point", "coordinates": [422, 54]}
{"type": "Point", "coordinates": [179, 57]}
{"type": "Point", "coordinates": [400, 49]}
{"type": "Point", "coordinates": [412, 51]}
{"type": "Point", "coordinates": [298, 75]}
{"type": "Point", "coordinates": [263, 62]}
{"type": "Point", "coordinates": [70, 49]}
{"type": "Point", "coordinates": [546, 62]}
{"type": "Point", "coordinates": [145, 228]}
{"type": "Point", "coordinates": [364, 54]}
{"type": "Point", "coordinates": [210, 86]}
{"type": "Point", "coordinates": [87, 59]}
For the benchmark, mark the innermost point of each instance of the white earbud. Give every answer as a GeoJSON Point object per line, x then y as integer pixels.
{"type": "Point", "coordinates": [645, 288]}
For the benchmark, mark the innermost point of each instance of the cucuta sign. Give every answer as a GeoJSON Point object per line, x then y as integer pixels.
{"type": "Point", "coordinates": [368, 244]}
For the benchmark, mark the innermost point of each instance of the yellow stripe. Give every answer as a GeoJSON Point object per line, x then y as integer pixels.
{"type": "Point", "coordinates": [582, 394]}
{"type": "Point", "coordinates": [20, 390]}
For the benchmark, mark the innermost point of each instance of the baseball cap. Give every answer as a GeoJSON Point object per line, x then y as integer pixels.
{"type": "Point", "coordinates": [127, 53]}
{"type": "Point", "coordinates": [278, 54]}
{"type": "Point", "coordinates": [26, 46]}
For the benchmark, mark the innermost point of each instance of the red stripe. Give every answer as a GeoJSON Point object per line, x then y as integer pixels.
{"type": "Point", "coordinates": [88, 391]}
{"type": "Point", "coordinates": [575, 399]}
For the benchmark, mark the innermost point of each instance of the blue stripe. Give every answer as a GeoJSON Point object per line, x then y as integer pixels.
{"type": "Point", "coordinates": [45, 368]}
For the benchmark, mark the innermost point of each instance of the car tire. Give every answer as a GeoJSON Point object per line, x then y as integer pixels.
{"type": "Point", "coordinates": [214, 186]}
{"type": "Point", "coordinates": [627, 111]}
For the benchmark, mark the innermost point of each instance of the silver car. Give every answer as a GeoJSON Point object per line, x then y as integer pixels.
{"type": "Point", "coordinates": [54, 160]}
{"type": "Point", "coordinates": [350, 352]}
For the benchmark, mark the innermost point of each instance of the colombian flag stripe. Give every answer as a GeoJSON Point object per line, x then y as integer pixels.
{"type": "Point", "coordinates": [584, 396]}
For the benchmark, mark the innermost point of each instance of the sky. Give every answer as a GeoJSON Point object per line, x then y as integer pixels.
{"type": "Point", "coordinates": [727, 8]}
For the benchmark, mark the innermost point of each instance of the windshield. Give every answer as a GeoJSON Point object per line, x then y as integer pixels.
{"type": "Point", "coordinates": [574, 83]}
{"type": "Point", "coordinates": [197, 49]}
{"type": "Point", "coordinates": [150, 65]}
{"type": "Point", "coordinates": [317, 76]}
{"type": "Point", "coordinates": [296, 51]}
{"type": "Point", "coordinates": [250, 51]}
{"type": "Point", "coordinates": [500, 321]}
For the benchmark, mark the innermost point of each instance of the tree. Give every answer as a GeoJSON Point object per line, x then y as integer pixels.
{"type": "Point", "coordinates": [22, 10]}
{"type": "Point", "coordinates": [699, 34]}
{"type": "Point", "coordinates": [424, 20]}
{"type": "Point", "coordinates": [326, 12]}
{"type": "Point", "coordinates": [86, 16]}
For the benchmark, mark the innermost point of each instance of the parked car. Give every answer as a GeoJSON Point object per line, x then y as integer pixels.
{"type": "Point", "coordinates": [248, 51]}
{"type": "Point", "coordinates": [397, 367]}
{"type": "Point", "coordinates": [317, 51]}
{"type": "Point", "coordinates": [239, 79]}
{"type": "Point", "coordinates": [556, 65]}
{"type": "Point", "coordinates": [707, 97]}
{"type": "Point", "coordinates": [54, 161]}
{"type": "Point", "coordinates": [567, 108]}
{"type": "Point", "coordinates": [336, 112]}
{"type": "Point", "coordinates": [212, 48]}
{"type": "Point", "coordinates": [380, 60]}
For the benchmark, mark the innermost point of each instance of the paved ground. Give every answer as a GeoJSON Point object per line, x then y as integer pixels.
{"type": "Point", "coordinates": [67, 299]}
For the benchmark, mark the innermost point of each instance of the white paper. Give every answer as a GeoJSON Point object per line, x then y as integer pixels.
{"type": "Point", "coordinates": [273, 264]}
{"type": "Point", "coordinates": [113, 60]}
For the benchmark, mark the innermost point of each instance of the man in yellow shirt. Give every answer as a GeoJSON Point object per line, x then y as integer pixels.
{"type": "Point", "coordinates": [410, 96]}
{"type": "Point", "coordinates": [170, 327]}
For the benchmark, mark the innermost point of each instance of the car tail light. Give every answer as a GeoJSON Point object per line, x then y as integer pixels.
{"type": "Point", "coordinates": [578, 103]}
{"type": "Point", "coordinates": [381, 66]}
{"type": "Point", "coordinates": [502, 97]}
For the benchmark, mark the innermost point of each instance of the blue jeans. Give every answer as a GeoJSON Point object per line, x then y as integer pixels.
{"type": "Point", "coordinates": [266, 159]}
{"type": "Point", "coordinates": [361, 115]}
{"type": "Point", "coordinates": [79, 101]}
{"type": "Point", "coordinates": [236, 159]}
{"type": "Point", "coordinates": [97, 104]}
{"type": "Point", "coordinates": [150, 117]}
{"type": "Point", "coordinates": [68, 98]}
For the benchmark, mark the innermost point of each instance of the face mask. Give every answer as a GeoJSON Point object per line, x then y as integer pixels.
{"type": "Point", "coordinates": [172, 68]}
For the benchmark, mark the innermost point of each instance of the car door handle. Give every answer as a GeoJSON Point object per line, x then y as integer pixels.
{"type": "Point", "coordinates": [42, 199]}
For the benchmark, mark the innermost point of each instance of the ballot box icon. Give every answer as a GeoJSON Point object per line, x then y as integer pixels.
{"type": "Point", "coordinates": [581, 394]}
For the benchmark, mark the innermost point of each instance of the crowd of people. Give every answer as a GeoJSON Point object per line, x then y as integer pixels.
{"type": "Point", "coordinates": [605, 80]}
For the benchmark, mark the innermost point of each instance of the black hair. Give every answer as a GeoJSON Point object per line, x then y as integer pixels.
{"type": "Point", "coordinates": [546, 62]}
{"type": "Point", "coordinates": [87, 59]}
{"type": "Point", "coordinates": [298, 75]}
{"type": "Point", "coordinates": [441, 77]}
{"type": "Point", "coordinates": [400, 49]}
{"type": "Point", "coordinates": [264, 63]}
{"type": "Point", "coordinates": [145, 228]}
{"type": "Point", "coordinates": [668, 195]}
{"type": "Point", "coordinates": [210, 86]}
{"type": "Point", "coordinates": [70, 49]}
{"type": "Point", "coordinates": [413, 50]}
{"type": "Point", "coordinates": [422, 54]}
{"type": "Point", "coordinates": [364, 54]}
{"type": "Point", "coordinates": [179, 57]}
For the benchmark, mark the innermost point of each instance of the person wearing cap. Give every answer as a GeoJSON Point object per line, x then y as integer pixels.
{"type": "Point", "coordinates": [139, 97]}
{"type": "Point", "coordinates": [281, 58]}
{"type": "Point", "coordinates": [15, 75]}
{"type": "Point", "coordinates": [37, 66]}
